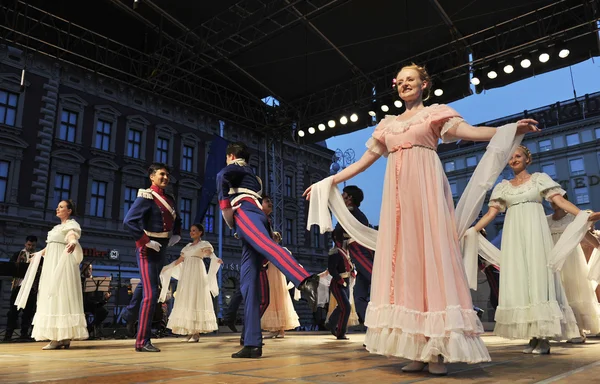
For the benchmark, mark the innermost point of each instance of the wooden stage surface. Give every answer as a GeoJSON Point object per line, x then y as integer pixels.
{"type": "Point", "coordinates": [299, 357]}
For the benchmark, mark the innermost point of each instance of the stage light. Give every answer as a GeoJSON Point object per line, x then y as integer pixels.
{"type": "Point", "coordinates": [321, 127]}
{"type": "Point", "coordinates": [372, 113]}
{"type": "Point", "coordinates": [301, 133]}
{"type": "Point", "coordinates": [492, 74]}
{"type": "Point", "coordinates": [311, 130]}
{"type": "Point", "coordinates": [136, 3]}
{"type": "Point", "coordinates": [508, 68]}
{"type": "Point", "coordinates": [525, 63]}
{"type": "Point", "coordinates": [438, 92]}
{"type": "Point", "coordinates": [563, 53]}
{"type": "Point", "coordinates": [354, 117]}
{"type": "Point", "coordinates": [544, 57]}
{"type": "Point", "coordinates": [385, 108]}
{"type": "Point", "coordinates": [331, 123]}
{"type": "Point", "coordinates": [398, 104]}
{"type": "Point", "coordinates": [343, 120]}
{"type": "Point", "coordinates": [475, 81]}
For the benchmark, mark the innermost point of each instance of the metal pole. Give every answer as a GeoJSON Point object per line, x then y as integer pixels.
{"type": "Point", "coordinates": [220, 274]}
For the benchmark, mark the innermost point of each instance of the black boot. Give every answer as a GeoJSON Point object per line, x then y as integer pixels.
{"type": "Point", "coordinates": [147, 348]}
{"type": "Point", "coordinates": [131, 329]}
{"type": "Point", "coordinates": [248, 353]}
{"type": "Point", "coordinates": [8, 335]}
{"type": "Point", "coordinates": [309, 288]}
{"type": "Point", "coordinates": [231, 325]}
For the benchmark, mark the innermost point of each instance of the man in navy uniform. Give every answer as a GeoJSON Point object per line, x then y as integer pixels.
{"type": "Point", "coordinates": [361, 256]}
{"type": "Point", "coordinates": [341, 269]}
{"type": "Point", "coordinates": [154, 223]}
{"type": "Point", "coordinates": [239, 199]}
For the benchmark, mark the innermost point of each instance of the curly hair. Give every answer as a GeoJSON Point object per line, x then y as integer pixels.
{"type": "Point", "coordinates": [423, 75]}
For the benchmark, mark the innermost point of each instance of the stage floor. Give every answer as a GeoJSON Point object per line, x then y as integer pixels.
{"type": "Point", "coordinates": [299, 357]}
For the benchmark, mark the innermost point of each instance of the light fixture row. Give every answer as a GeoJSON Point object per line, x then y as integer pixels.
{"type": "Point", "coordinates": [331, 124]}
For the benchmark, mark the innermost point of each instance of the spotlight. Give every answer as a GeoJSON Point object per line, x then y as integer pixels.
{"type": "Point", "coordinates": [563, 53]}
{"type": "Point", "coordinates": [492, 74]}
{"type": "Point", "coordinates": [544, 57]}
{"type": "Point", "coordinates": [321, 127]}
{"type": "Point", "coordinates": [385, 108]}
{"type": "Point", "coordinates": [398, 104]}
{"type": "Point", "coordinates": [301, 133]}
{"type": "Point", "coordinates": [354, 117]}
{"type": "Point", "coordinates": [525, 63]}
{"type": "Point", "coordinates": [438, 92]}
{"type": "Point", "coordinates": [331, 123]}
{"type": "Point", "coordinates": [508, 68]}
{"type": "Point", "coordinates": [475, 80]}
{"type": "Point", "coordinates": [343, 120]}
{"type": "Point", "coordinates": [136, 3]}
{"type": "Point", "coordinates": [372, 113]}
{"type": "Point", "coordinates": [311, 130]}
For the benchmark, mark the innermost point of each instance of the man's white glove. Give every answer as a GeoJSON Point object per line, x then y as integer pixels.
{"type": "Point", "coordinates": [174, 240]}
{"type": "Point", "coordinates": [153, 245]}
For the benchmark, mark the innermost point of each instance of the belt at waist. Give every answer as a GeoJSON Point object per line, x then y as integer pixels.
{"type": "Point", "coordinates": [236, 201]}
{"type": "Point", "coordinates": [524, 202]}
{"type": "Point", "coordinates": [158, 235]}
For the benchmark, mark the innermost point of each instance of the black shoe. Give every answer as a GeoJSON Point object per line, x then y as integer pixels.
{"type": "Point", "coordinates": [242, 341]}
{"type": "Point", "coordinates": [309, 289]}
{"type": "Point", "coordinates": [8, 336]}
{"type": "Point", "coordinates": [131, 329]}
{"type": "Point", "coordinates": [147, 348]}
{"type": "Point", "coordinates": [343, 337]}
{"type": "Point", "coordinates": [248, 353]}
{"type": "Point", "coordinates": [231, 325]}
{"type": "Point", "coordinates": [25, 338]}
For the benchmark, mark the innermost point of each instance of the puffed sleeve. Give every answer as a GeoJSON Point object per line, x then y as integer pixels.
{"type": "Point", "coordinates": [547, 187]}
{"type": "Point", "coordinates": [376, 143]}
{"type": "Point", "coordinates": [496, 199]}
{"type": "Point", "coordinates": [185, 250]}
{"type": "Point", "coordinates": [72, 230]}
{"type": "Point", "coordinates": [444, 118]}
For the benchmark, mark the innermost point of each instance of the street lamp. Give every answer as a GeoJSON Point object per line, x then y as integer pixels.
{"type": "Point", "coordinates": [341, 160]}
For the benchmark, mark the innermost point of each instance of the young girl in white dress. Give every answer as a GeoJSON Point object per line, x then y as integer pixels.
{"type": "Point", "coordinates": [59, 316]}
{"type": "Point", "coordinates": [532, 301]}
{"type": "Point", "coordinates": [193, 312]}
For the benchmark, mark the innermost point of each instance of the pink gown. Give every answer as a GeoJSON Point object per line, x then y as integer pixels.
{"type": "Point", "coordinates": [421, 304]}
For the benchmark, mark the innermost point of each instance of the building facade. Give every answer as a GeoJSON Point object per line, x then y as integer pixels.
{"type": "Point", "coordinates": [68, 133]}
{"type": "Point", "coordinates": [567, 149]}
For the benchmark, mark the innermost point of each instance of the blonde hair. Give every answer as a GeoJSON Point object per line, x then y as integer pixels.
{"type": "Point", "coordinates": [423, 75]}
{"type": "Point", "coordinates": [526, 151]}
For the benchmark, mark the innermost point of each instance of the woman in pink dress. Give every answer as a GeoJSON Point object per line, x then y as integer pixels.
{"type": "Point", "coordinates": [421, 306]}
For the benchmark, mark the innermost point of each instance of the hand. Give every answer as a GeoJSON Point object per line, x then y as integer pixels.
{"type": "Point", "coordinates": [220, 261]}
{"type": "Point", "coordinates": [527, 125]}
{"type": "Point", "coordinates": [174, 240]}
{"type": "Point", "coordinates": [307, 193]}
{"type": "Point", "coordinates": [594, 216]}
{"type": "Point", "coordinates": [70, 247]}
{"type": "Point", "coordinates": [106, 295]}
{"type": "Point", "coordinates": [153, 245]}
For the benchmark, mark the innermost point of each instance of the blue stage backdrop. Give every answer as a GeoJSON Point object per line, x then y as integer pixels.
{"type": "Point", "coordinates": [214, 163]}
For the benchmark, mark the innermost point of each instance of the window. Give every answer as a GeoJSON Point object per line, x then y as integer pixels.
{"type": "Point", "coordinates": [134, 143]}
{"type": "Point", "coordinates": [209, 219]}
{"type": "Point", "coordinates": [185, 210]}
{"type": "Point", "coordinates": [98, 198]}
{"type": "Point", "coordinates": [162, 150]}
{"type": "Point", "coordinates": [289, 231]}
{"type": "Point", "coordinates": [472, 161]}
{"type": "Point", "coordinates": [4, 165]}
{"type": "Point", "coordinates": [597, 130]}
{"type": "Point", "coordinates": [130, 196]}
{"type": "Point", "coordinates": [449, 166]}
{"type": "Point", "coordinates": [573, 139]}
{"type": "Point", "coordinates": [68, 125]}
{"type": "Point", "coordinates": [453, 189]}
{"type": "Point", "coordinates": [62, 187]}
{"type": "Point", "coordinates": [316, 237]}
{"type": "Point", "coordinates": [576, 166]}
{"type": "Point", "coordinates": [581, 195]}
{"type": "Point", "coordinates": [8, 108]}
{"type": "Point", "coordinates": [549, 169]}
{"type": "Point", "coordinates": [103, 135]}
{"type": "Point", "coordinates": [289, 182]}
{"type": "Point", "coordinates": [545, 145]}
{"type": "Point", "coordinates": [187, 161]}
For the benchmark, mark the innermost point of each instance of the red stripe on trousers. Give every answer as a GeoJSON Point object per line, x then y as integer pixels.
{"type": "Point", "coordinates": [341, 304]}
{"type": "Point", "coordinates": [145, 299]}
{"type": "Point", "coordinates": [361, 258]}
{"type": "Point", "coordinates": [267, 246]}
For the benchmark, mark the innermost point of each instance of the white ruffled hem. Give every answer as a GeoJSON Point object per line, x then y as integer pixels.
{"type": "Point", "coordinates": [190, 322]}
{"type": "Point", "coordinates": [543, 320]}
{"type": "Point", "coordinates": [273, 321]}
{"type": "Point", "coordinates": [60, 327]}
{"type": "Point", "coordinates": [587, 315]}
{"type": "Point", "coordinates": [455, 347]}
{"type": "Point", "coordinates": [430, 324]}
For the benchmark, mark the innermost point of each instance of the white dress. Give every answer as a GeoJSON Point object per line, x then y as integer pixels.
{"type": "Point", "coordinates": [193, 311]}
{"type": "Point", "coordinates": [60, 316]}
{"type": "Point", "coordinates": [579, 290]}
{"type": "Point", "coordinates": [532, 302]}
{"type": "Point", "coordinates": [280, 314]}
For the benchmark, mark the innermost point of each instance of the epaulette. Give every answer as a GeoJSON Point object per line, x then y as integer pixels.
{"type": "Point", "coordinates": [333, 251]}
{"type": "Point", "coordinates": [145, 193]}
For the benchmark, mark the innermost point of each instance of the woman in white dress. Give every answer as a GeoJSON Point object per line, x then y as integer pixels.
{"type": "Point", "coordinates": [59, 316]}
{"type": "Point", "coordinates": [280, 315]}
{"type": "Point", "coordinates": [532, 302]}
{"type": "Point", "coordinates": [579, 290]}
{"type": "Point", "coordinates": [193, 312]}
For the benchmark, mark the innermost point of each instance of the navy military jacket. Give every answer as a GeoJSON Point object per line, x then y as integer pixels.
{"type": "Point", "coordinates": [234, 180]}
{"type": "Point", "coordinates": [339, 235]}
